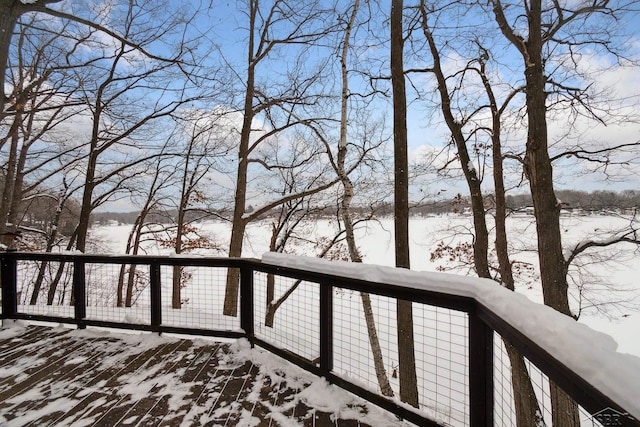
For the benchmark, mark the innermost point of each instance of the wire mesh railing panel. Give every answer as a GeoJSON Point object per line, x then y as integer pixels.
{"type": "Point", "coordinates": [529, 399]}
{"type": "Point", "coordinates": [441, 351]}
{"type": "Point", "coordinates": [504, 408]}
{"type": "Point", "coordinates": [118, 293]}
{"type": "Point", "coordinates": [44, 288]}
{"type": "Point", "coordinates": [510, 402]}
{"type": "Point", "coordinates": [442, 360]}
{"type": "Point", "coordinates": [353, 355]}
{"type": "Point", "coordinates": [193, 297]}
{"type": "Point", "coordinates": [290, 319]}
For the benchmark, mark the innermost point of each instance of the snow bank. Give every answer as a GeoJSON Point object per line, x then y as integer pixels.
{"type": "Point", "coordinates": [589, 353]}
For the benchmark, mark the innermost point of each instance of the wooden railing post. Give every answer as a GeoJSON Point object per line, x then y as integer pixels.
{"type": "Point", "coordinates": [326, 328]}
{"type": "Point", "coordinates": [481, 398]}
{"type": "Point", "coordinates": [9, 286]}
{"type": "Point", "coordinates": [246, 302]}
{"type": "Point", "coordinates": [79, 292]}
{"type": "Point", "coordinates": [156, 296]}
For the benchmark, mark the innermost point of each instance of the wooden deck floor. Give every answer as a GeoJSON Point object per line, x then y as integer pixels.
{"type": "Point", "coordinates": [57, 377]}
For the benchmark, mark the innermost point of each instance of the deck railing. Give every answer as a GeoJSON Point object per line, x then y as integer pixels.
{"type": "Point", "coordinates": [314, 318]}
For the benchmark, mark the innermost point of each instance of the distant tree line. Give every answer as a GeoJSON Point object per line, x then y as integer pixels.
{"type": "Point", "coordinates": [587, 201]}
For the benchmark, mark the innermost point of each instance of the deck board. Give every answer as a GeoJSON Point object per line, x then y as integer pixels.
{"type": "Point", "coordinates": [63, 377]}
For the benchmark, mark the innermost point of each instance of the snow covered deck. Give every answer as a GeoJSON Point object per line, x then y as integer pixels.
{"type": "Point", "coordinates": [57, 377]}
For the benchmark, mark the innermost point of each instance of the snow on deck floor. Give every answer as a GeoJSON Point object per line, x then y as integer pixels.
{"type": "Point", "coordinates": [63, 377]}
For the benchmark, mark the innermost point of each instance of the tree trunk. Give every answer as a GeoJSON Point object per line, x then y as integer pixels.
{"type": "Point", "coordinates": [376, 350]}
{"type": "Point", "coordinates": [9, 13]}
{"type": "Point", "coordinates": [95, 148]}
{"type": "Point", "coordinates": [526, 404]}
{"type": "Point", "coordinates": [9, 181]}
{"type": "Point", "coordinates": [51, 294]}
{"type": "Point", "coordinates": [176, 282]}
{"type": "Point", "coordinates": [273, 307]}
{"type": "Point", "coordinates": [524, 397]}
{"type": "Point", "coordinates": [54, 285]}
{"type": "Point", "coordinates": [120, 290]}
{"type": "Point", "coordinates": [545, 204]}
{"type": "Point", "coordinates": [406, 349]}
{"type": "Point", "coordinates": [51, 239]}
{"type": "Point", "coordinates": [539, 172]}
{"type": "Point", "coordinates": [86, 207]}
{"type": "Point", "coordinates": [525, 401]}
{"type": "Point", "coordinates": [18, 180]}
{"type": "Point", "coordinates": [481, 238]}
{"type": "Point", "coordinates": [546, 209]}
{"type": "Point", "coordinates": [345, 208]}
{"type": "Point", "coordinates": [270, 311]}
{"type": "Point", "coordinates": [564, 410]}
{"type": "Point", "coordinates": [131, 279]}
{"type": "Point", "coordinates": [233, 274]}
{"type": "Point", "coordinates": [175, 287]}
{"type": "Point", "coordinates": [123, 268]}
{"type": "Point", "coordinates": [239, 223]}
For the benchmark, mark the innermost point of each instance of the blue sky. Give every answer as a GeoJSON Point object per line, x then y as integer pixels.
{"type": "Point", "coordinates": [225, 26]}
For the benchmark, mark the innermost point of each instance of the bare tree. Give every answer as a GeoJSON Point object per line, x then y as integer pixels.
{"type": "Point", "coordinates": [51, 237]}
{"type": "Point", "coordinates": [284, 226]}
{"type": "Point", "coordinates": [540, 32]}
{"type": "Point", "coordinates": [345, 205]}
{"type": "Point", "coordinates": [406, 346]}
{"type": "Point", "coordinates": [471, 175]}
{"type": "Point", "coordinates": [195, 164]}
{"type": "Point", "coordinates": [123, 48]}
{"type": "Point", "coordinates": [282, 24]}
{"type": "Point", "coordinates": [463, 128]}
{"type": "Point", "coordinates": [12, 10]}
{"type": "Point", "coordinates": [537, 161]}
{"type": "Point", "coordinates": [292, 214]}
{"type": "Point", "coordinates": [41, 104]}
{"type": "Point", "coordinates": [160, 175]}
{"type": "Point", "coordinates": [121, 116]}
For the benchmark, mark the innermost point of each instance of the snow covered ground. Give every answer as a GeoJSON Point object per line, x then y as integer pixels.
{"type": "Point", "coordinates": [613, 280]}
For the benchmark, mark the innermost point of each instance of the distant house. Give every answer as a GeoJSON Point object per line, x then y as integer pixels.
{"type": "Point", "coordinates": [526, 211]}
